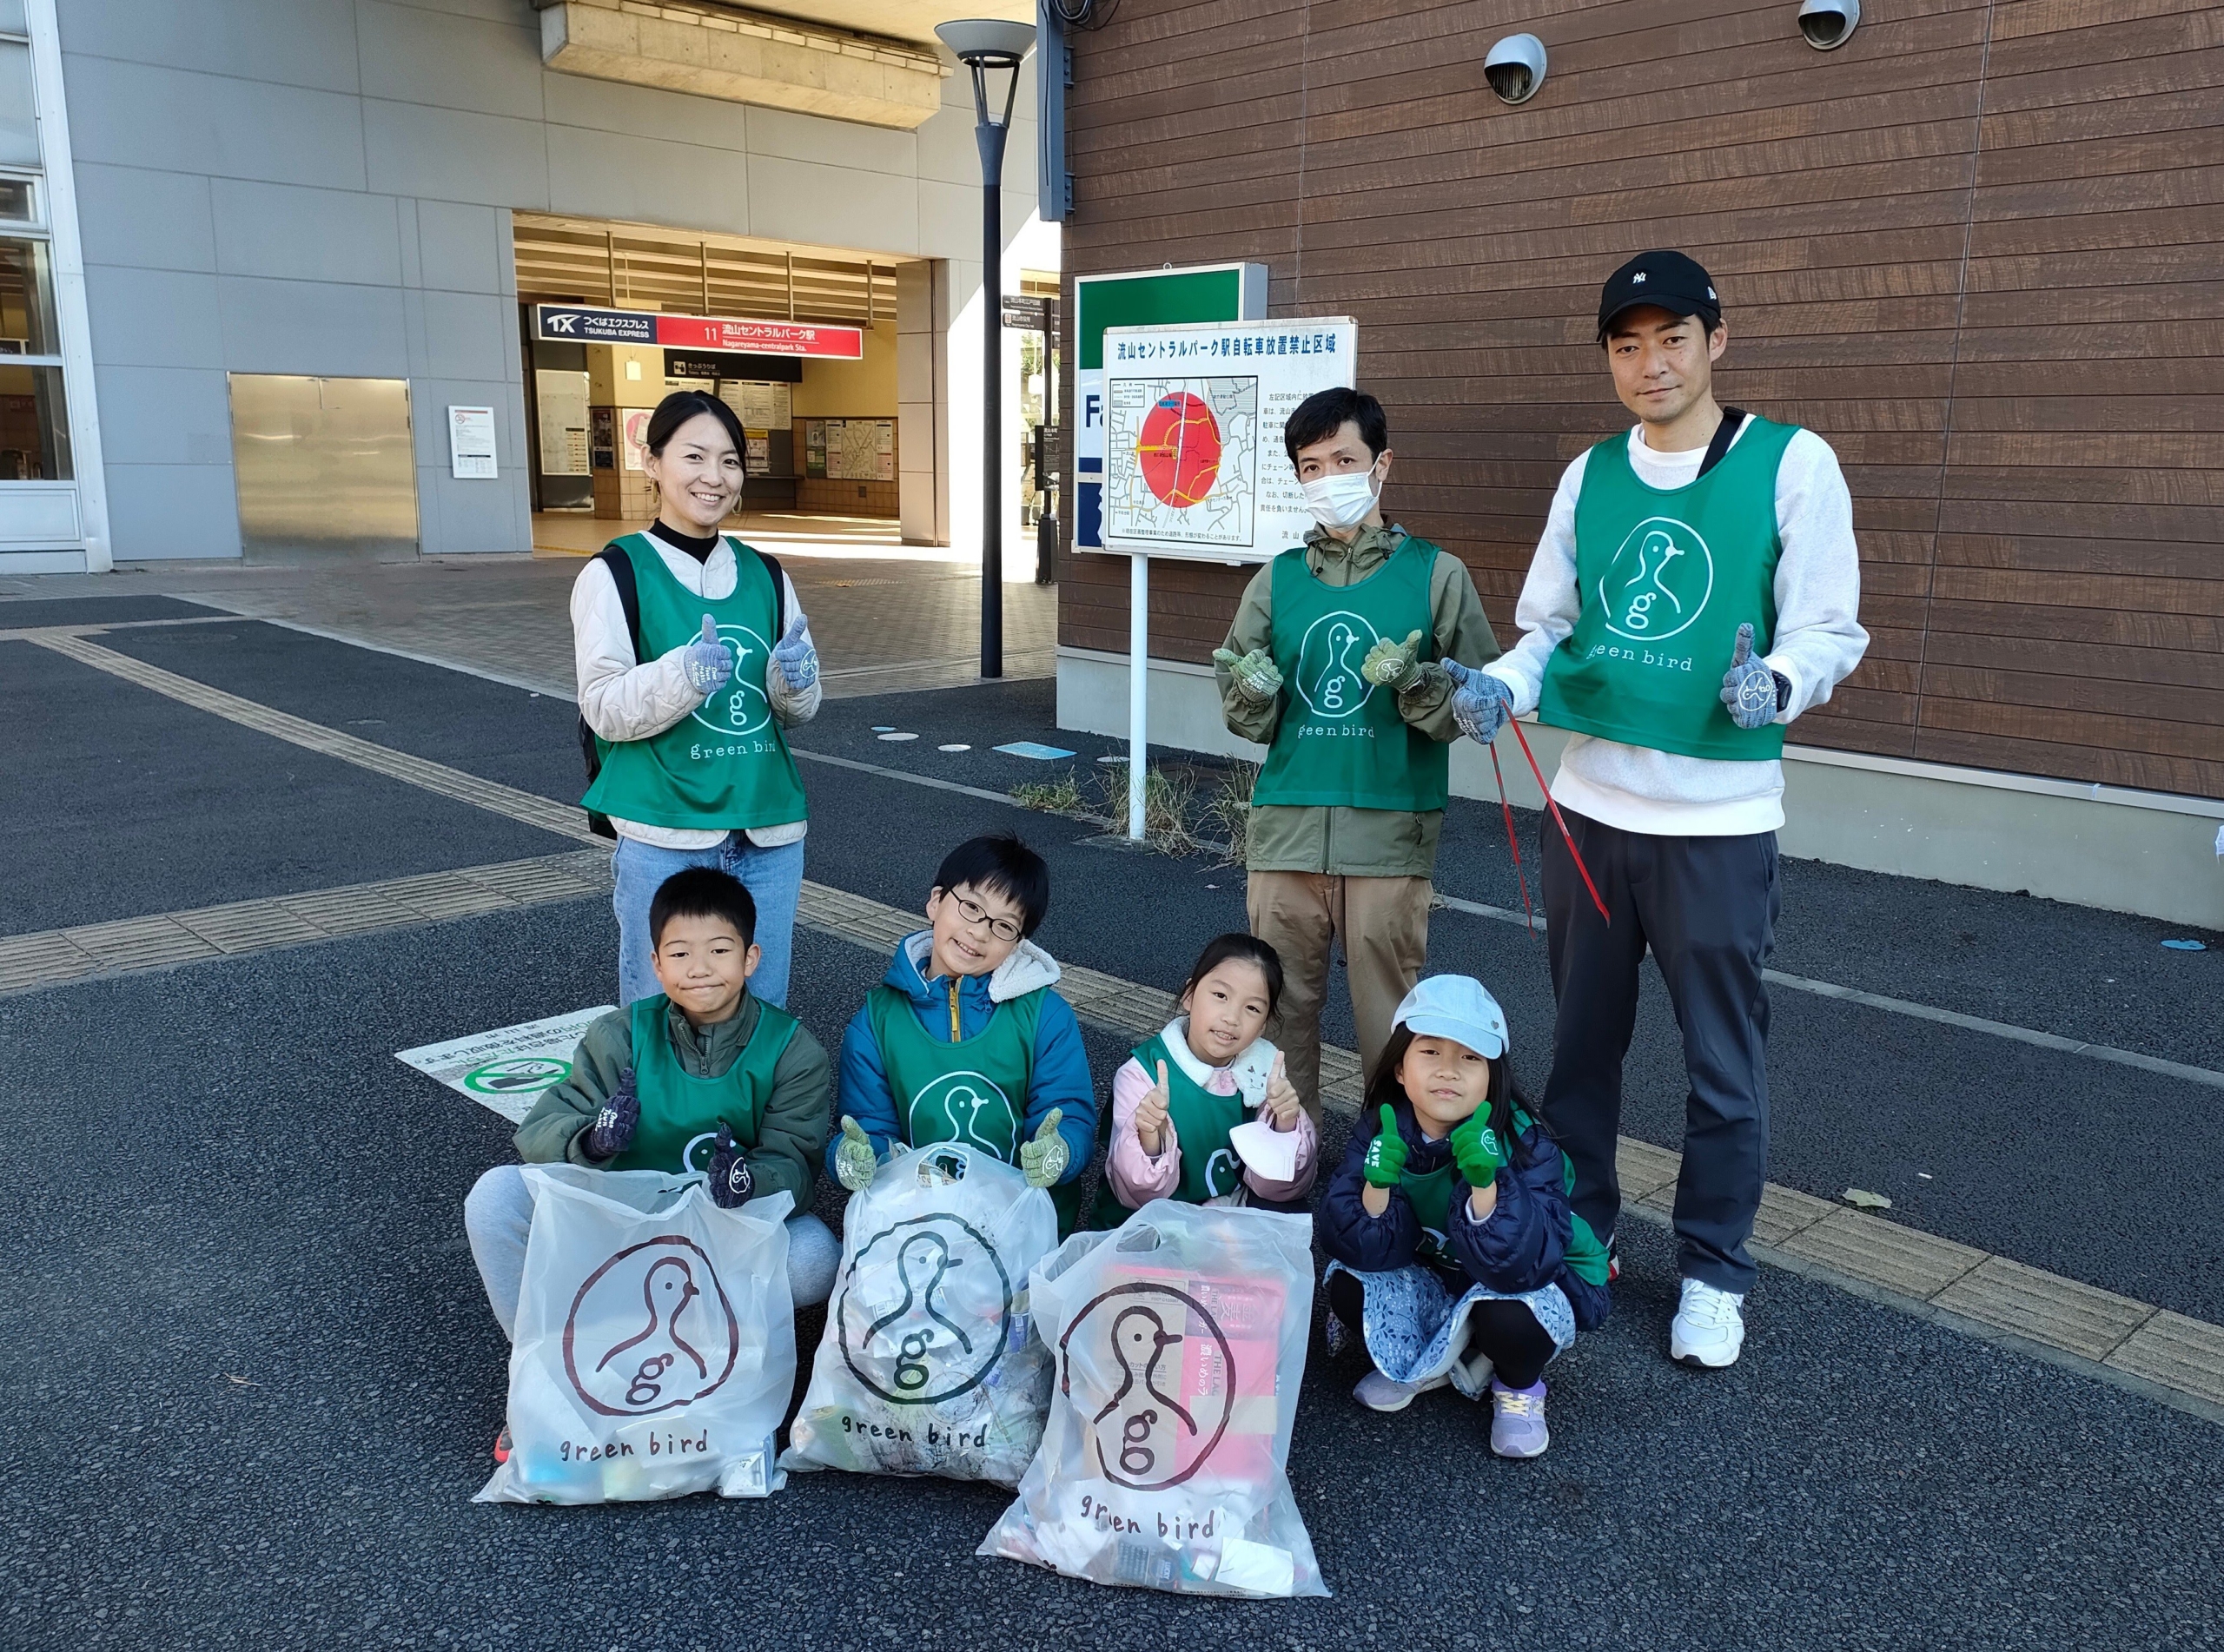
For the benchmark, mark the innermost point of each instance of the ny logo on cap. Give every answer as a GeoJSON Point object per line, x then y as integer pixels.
{"type": "Point", "coordinates": [1638, 278]}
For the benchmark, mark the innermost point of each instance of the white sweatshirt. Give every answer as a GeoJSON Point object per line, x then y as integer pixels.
{"type": "Point", "coordinates": [624, 699]}
{"type": "Point", "coordinates": [1818, 642]}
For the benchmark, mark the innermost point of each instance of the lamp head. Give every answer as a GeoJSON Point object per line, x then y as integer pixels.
{"type": "Point", "coordinates": [987, 42]}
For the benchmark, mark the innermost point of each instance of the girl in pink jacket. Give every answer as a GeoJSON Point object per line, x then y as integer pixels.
{"type": "Point", "coordinates": [1181, 1102]}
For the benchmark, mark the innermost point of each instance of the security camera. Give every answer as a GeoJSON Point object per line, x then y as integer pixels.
{"type": "Point", "coordinates": [1515, 68]}
{"type": "Point", "coordinates": [1829, 24]}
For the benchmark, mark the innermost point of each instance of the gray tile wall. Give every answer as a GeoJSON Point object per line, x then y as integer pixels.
{"type": "Point", "coordinates": [324, 187]}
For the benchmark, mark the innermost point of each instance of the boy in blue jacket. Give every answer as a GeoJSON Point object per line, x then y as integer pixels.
{"type": "Point", "coordinates": [1454, 1248]}
{"type": "Point", "coordinates": [965, 1039]}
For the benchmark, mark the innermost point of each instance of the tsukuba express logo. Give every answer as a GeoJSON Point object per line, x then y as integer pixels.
{"type": "Point", "coordinates": [924, 1310]}
{"type": "Point", "coordinates": [650, 1329]}
{"type": "Point", "coordinates": [1329, 658]}
{"type": "Point", "coordinates": [517, 1075]}
{"type": "Point", "coordinates": [740, 707]}
{"type": "Point", "coordinates": [970, 1107]}
{"type": "Point", "coordinates": [1659, 582]}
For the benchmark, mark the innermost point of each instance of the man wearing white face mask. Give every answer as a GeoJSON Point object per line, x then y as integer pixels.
{"type": "Point", "coordinates": [1335, 663]}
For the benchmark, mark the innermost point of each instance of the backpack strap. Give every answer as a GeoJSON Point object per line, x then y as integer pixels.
{"type": "Point", "coordinates": [1724, 434]}
{"type": "Point", "coordinates": [779, 583]}
{"type": "Point", "coordinates": [612, 557]}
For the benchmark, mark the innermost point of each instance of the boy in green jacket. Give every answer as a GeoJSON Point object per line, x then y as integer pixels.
{"type": "Point", "coordinates": [699, 1077]}
{"type": "Point", "coordinates": [1334, 664]}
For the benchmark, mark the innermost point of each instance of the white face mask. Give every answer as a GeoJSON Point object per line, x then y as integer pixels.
{"type": "Point", "coordinates": [1341, 501]}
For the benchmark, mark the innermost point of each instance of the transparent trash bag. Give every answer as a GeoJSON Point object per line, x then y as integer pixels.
{"type": "Point", "coordinates": [655, 1342]}
{"type": "Point", "coordinates": [930, 1363]}
{"type": "Point", "coordinates": [1180, 1348]}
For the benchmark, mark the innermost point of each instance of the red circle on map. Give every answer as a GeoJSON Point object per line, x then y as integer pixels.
{"type": "Point", "coordinates": [1179, 450]}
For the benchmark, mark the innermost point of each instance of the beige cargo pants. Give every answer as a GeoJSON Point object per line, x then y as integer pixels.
{"type": "Point", "coordinates": [1383, 923]}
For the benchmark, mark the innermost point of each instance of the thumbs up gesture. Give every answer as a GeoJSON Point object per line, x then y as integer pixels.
{"type": "Point", "coordinates": [1044, 1159]}
{"type": "Point", "coordinates": [854, 1159]}
{"type": "Point", "coordinates": [1386, 1154]}
{"type": "Point", "coordinates": [1254, 674]}
{"type": "Point", "coordinates": [1150, 1115]}
{"type": "Point", "coordinates": [1753, 693]}
{"type": "Point", "coordinates": [1394, 665]}
{"type": "Point", "coordinates": [729, 1178]}
{"type": "Point", "coordinates": [708, 662]}
{"type": "Point", "coordinates": [796, 658]}
{"type": "Point", "coordinates": [1282, 1102]}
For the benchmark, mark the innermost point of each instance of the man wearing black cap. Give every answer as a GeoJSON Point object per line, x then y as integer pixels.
{"type": "Point", "coordinates": [1695, 589]}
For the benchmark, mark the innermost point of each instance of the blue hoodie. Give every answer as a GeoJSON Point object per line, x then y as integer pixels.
{"type": "Point", "coordinates": [1521, 1246]}
{"type": "Point", "coordinates": [1060, 1076]}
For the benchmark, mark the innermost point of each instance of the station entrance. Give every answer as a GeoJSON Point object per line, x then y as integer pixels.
{"type": "Point", "coordinates": [802, 342]}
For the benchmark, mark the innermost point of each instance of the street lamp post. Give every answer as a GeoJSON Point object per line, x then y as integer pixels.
{"type": "Point", "coordinates": [989, 46]}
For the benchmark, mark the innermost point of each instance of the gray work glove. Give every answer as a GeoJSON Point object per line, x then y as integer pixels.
{"type": "Point", "coordinates": [708, 662]}
{"type": "Point", "coordinates": [1044, 1160]}
{"type": "Point", "coordinates": [1394, 665]}
{"type": "Point", "coordinates": [1481, 705]}
{"type": "Point", "coordinates": [798, 659]}
{"type": "Point", "coordinates": [1753, 693]}
{"type": "Point", "coordinates": [612, 1133]}
{"type": "Point", "coordinates": [855, 1162]}
{"type": "Point", "coordinates": [731, 1182]}
{"type": "Point", "coordinates": [1254, 673]}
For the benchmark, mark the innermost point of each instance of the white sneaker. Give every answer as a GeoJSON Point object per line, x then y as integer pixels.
{"type": "Point", "coordinates": [1380, 1393]}
{"type": "Point", "coordinates": [1710, 1327]}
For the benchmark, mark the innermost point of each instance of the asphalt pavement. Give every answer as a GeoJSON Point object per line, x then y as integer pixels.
{"type": "Point", "coordinates": [256, 1375]}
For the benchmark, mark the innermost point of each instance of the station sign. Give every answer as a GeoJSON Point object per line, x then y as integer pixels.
{"type": "Point", "coordinates": [591, 324]}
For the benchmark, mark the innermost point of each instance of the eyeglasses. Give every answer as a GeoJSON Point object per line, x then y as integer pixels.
{"type": "Point", "coordinates": [973, 912]}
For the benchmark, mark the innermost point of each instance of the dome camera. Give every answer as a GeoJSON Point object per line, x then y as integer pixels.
{"type": "Point", "coordinates": [1515, 68]}
{"type": "Point", "coordinates": [1828, 23]}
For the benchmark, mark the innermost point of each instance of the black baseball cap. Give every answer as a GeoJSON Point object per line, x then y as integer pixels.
{"type": "Point", "coordinates": [1671, 279]}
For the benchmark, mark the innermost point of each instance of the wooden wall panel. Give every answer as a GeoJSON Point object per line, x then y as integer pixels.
{"type": "Point", "coordinates": [1980, 249]}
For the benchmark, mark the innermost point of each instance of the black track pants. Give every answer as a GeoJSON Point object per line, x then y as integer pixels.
{"type": "Point", "coordinates": [1706, 907]}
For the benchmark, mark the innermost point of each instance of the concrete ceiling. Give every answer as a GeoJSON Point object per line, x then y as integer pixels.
{"type": "Point", "coordinates": [900, 19]}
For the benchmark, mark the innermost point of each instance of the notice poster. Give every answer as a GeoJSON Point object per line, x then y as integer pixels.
{"type": "Point", "coordinates": [506, 1069]}
{"type": "Point", "coordinates": [762, 406]}
{"type": "Point", "coordinates": [636, 445]}
{"type": "Point", "coordinates": [854, 450]}
{"type": "Point", "coordinates": [471, 444]}
{"type": "Point", "coordinates": [756, 457]}
{"type": "Point", "coordinates": [814, 448]}
{"type": "Point", "coordinates": [1193, 464]}
{"type": "Point", "coordinates": [560, 396]}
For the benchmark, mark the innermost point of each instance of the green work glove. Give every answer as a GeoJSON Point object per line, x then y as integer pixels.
{"type": "Point", "coordinates": [1478, 1150]}
{"type": "Point", "coordinates": [1394, 665]}
{"type": "Point", "coordinates": [854, 1159]}
{"type": "Point", "coordinates": [1386, 1154]}
{"type": "Point", "coordinates": [1044, 1159]}
{"type": "Point", "coordinates": [1254, 673]}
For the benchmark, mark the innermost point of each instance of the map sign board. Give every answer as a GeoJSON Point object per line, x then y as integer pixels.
{"type": "Point", "coordinates": [1141, 298]}
{"type": "Point", "coordinates": [1193, 464]}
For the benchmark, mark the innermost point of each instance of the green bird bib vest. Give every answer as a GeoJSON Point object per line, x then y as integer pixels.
{"type": "Point", "coordinates": [1201, 1122]}
{"type": "Point", "coordinates": [973, 1090]}
{"type": "Point", "coordinates": [1431, 1197]}
{"type": "Point", "coordinates": [1665, 576]}
{"type": "Point", "coordinates": [724, 766]}
{"type": "Point", "coordinates": [1341, 743]}
{"type": "Point", "coordinates": [681, 1114]}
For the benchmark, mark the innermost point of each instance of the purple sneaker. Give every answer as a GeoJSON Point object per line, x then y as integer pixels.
{"type": "Point", "coordinates": [1517, 1425]}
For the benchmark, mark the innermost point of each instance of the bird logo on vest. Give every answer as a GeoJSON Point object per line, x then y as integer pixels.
{"type": "Point", "coordinates": [1328, 659]}
{"type": "Point", "coordinates": [970, 1107]}
{"type": "Point", "coordinates": [740, 707]}
{"type": "Point", "coordinates": [1659, 581]}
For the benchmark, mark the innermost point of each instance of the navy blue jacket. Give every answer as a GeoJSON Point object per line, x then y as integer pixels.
{"type": "Point", "coordinates": [1522, 1246]}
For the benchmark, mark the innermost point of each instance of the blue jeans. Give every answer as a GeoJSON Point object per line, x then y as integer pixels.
{"type": "Point", "coordinates": [772, 877]}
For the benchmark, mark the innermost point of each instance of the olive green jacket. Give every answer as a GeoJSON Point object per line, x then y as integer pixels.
{"type": "Point", "coordinates": [1357, 842]}
{"type": "Point", "coordinates": [790, 1133]}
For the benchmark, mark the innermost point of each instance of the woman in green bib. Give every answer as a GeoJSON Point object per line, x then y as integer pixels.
{"type": "Point", "coordinates": [966, 1039]}
{"type": "Point", "coordinates": [694, 659]}
{"type": "Point", "coordinates": [1179, 1098]}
